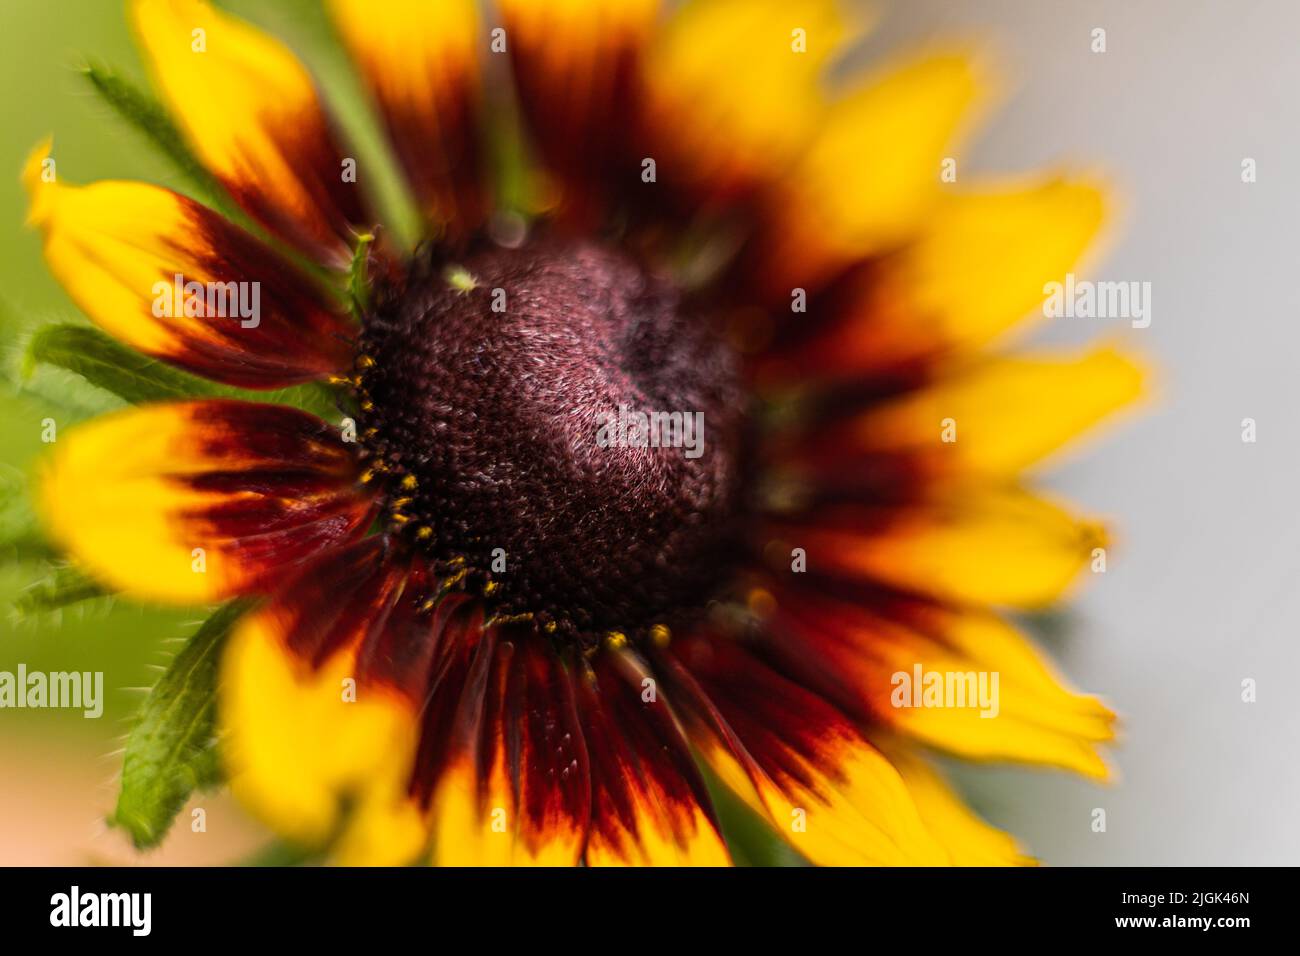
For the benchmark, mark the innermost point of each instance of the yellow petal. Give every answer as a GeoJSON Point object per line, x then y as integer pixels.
{"type": "Point", "coordinates": [860, 814]}
{"type": "Point", "coordinates": [1037, 720]}
{"type": "Point", "coordinates": [515, 790]}
{"type": "Point", "coordinates": [978, 545]}
{"type": "Point", "coordinates": [298, 749]}
{"type": "Point", "coordinates": [872, 171]}
{"type": "Point", "coordinates": [480, 827]}
{"type": "Point", "coordinates": [734, 87]}
{"type": "Point", "coordinates": [797, 760]}
{"type": "Point", "coordinates": [1003, 414]}
{"type": "Point", "coordinates": [980, 268]}
{"type": "Point", "coordinates": [420, 60]}
{"type": "Point", "coordinates": [962, 681]}
{"type": "Point", "coordinates": [118, 248]}
{"type": "Point", "coordinates": [193, 502]}
{"type": "Point", "coordinates": [967, 839]}
{"type": "Point", "coordinates": [649, 805]}
{"type": "Point", "coordinates": [252, 114]}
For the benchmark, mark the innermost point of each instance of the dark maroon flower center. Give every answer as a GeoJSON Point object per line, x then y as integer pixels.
{"type": "Point", "coordinates": [552, 422]}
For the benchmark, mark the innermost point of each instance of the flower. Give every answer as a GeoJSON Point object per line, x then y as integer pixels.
{"type": "Point", "coordinates": [511, 607]}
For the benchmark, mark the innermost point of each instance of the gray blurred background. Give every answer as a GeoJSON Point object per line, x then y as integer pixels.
{"type": "Point", "coordinates": [1201, 588]}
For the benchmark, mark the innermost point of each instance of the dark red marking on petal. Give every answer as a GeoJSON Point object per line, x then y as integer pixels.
{"type": "Point", "coordinates": [822, 629]}
{"type": "Point", "coordinates": [458, 675]}
{"type": "Point", "coordinates": [333, 601]}
{"type": "Point", "coordinates": [584, 126]}
{"type": "Point", "coordinates": [642, 772]}
{"type": "Point", "coordinates": [547, 752]}
{"type": "Point", "coordinates": [443, 157]}
{"type": "Point", "coordinates": [502, 701]}
{"type": "Point", "coordinates": [402, 654]}
{"type": "Point", "coordinates": [778, 723]}
{"type": "Point", "coordinates": [838, 336]}
{"type": "Point", "coordinates": [287, 487]}
{"type": "Point", "coordinates": [371, 597]}
{"type": "Point", "coordinates": [263, 438]}
{"type": "Point", "coordinates": [298, 335]}
{"type": "Point", "coordinates": [310, 149]}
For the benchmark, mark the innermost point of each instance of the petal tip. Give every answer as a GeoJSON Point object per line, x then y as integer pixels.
{"type": "Point", "coordinates": [39, 182]}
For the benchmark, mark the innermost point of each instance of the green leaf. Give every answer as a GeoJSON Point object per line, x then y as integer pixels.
{"type": "Point", "coordinates": [62, 395]}
{"type": "Point", "coordinates": [171, 751]}
{"type": "Point", "coordinates": [49, 387]}
{"type": "Point", "coordinates": [104, 362]}
{"type": "Point", "coordinates": [149, 117]}
{"type": "Point", "coordinates": [61, 587]}
{"type": "Point", "coordinates": [109, 365]}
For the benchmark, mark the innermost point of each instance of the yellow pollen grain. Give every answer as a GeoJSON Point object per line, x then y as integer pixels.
{"type": "Point", "coordinates": [460, 279]}
{"type": "Point", "coordinates": [409, 483]}
{"type": "Point", "coordinates": [660, 635]}
{"type": "Point", "coordinates": [423, 533]}
{"type": "Point", "coordinates": [616, 640]}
